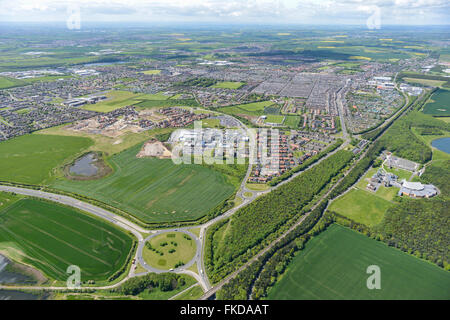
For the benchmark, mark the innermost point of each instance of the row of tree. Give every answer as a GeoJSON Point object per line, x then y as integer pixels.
{"type": "Point", "coordinates": [252, 224]}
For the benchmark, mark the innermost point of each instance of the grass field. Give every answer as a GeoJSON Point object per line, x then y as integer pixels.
{"type": "Point", "coordinates": [426, 82]}
{"type": "Point", "coordinates": [251, 109]}
{"type": "Point", "coordinates": [193, 293]}
{"type": "Point", "coordinates": [152, 72]}
{"type": "Point", "coordinates": [277, 119]}
{"type": "Point", "coordinates": [116, 99]}
{"type": "Point", "coordinates": [7, 199]}
{"type": "Point", "coordinates": [440, 104]}
{"type": "Point", "coordinates": [361, 206]}
{"type": "Point", "coordinates": [6, 83]}
{"type": "Point", "coordinates": [228, 85]}
{"type": "Point", "coordinates": [32, 158]}
{"type": "Point", "coordinates": [155, 190]}
{"type": "Point", "coordinates": [52, 237]}
{"type": "Point", "coordinates": [333, 266]}
{"type": "Point", "coordinates": [168, 249]}
{"type": "Point", "coordinates": [106, 144]}
{"type": "Point", "coordinates": [400, 173]}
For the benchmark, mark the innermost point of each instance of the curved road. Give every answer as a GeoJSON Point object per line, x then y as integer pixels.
{"type": "Point", "coordinates": [143, 235]}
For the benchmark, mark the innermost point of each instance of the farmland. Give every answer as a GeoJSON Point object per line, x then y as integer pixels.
{"type": "Point", "coordinates": [439, 104]}
{"type": "Point", "coordinates": [333, 266]}
{"type": "Point", "coordinates": [165, 251]}
{"type": "Point", "coordinates": [48, 237]}
{"type": "Point", "coordinates": [155, 190]}
{"type": "Point", "coordinates": [31, 158]}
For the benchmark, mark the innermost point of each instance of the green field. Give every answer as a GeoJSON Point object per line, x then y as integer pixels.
{"type": "Point", "coordinates": [166, 250]}
{"type": "Point", "coordinates": [52, 237]}
{"type": "Point", "coordinates": [32, 158]}
{"type": "Point", "coordinates": [193, 293]}
{"type": "Point", "coordinates": [6, 83]}
{"type": "Point", "coordinates": [439, 105]}
{"type": "Point", "coordinates": [251, 109]}
{"type": "Point", "coordinates": [155, 190]}
{"type": "Point", "coordinates": [152, 72]}
{"type": "Point", "coordinates": [116, 99]}
{"type": "Point", "coordinates": [333, 266]}
{"type": "Point", "coordinates": [228, 85]}
{"type": "Point", "coordinates": [361, 206]}
{"type": "Point", "coordinates": [7, 199]}
{"type": "Point", "coordinates": [277, 119]}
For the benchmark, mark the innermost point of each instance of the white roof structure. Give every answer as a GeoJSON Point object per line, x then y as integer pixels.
{"type": "Point", "coordinates": [413, 185]}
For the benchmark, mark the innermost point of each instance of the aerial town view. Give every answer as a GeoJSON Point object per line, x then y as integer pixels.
{"type": "Point", "coordinates": [224, 152]}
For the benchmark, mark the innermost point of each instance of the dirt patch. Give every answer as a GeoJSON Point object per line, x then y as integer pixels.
{"type": "Point", "coordinates": [154, 148]}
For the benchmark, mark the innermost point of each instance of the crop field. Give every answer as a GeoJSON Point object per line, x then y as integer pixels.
{"type": "Point", "coordinates": [51, 237]}
{"type": "Point", "coordinates": [155, 190]}
{"type": "Point", "coordinates": [333, 266]}
{"type": "Point", "coordinates": [440, 104]}
{"type": "Point", "coordinates": [166, 250]}
{"type": "Point", "coordinates": [228, 85]}
{"type": "Point", "coordinates": [31, 158]}
{"type": "Point", "coordinates": [361, 206]}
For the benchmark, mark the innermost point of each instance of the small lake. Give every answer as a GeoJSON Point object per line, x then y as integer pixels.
{"type": "Point", "coordinates": [8, 277]}
{"type": "Point", "coordinates": [16, 295]}
{"type": "Point", "coordinates": [442, 144]}
{"type": "Point", "coordinates": [84, 166]}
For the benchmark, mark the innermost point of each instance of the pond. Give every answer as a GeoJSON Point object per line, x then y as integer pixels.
{"type": "Point", "coordinates": [10, 277]}
{"type": "Point", "coordinates": [442, 144]}
{"type": "Point", "coordinates": [85, 166]}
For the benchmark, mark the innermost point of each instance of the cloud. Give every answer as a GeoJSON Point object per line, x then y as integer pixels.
{"type": "Point", "coordinates": [306, 11]}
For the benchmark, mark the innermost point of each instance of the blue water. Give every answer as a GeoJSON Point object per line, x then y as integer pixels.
{"type": "Point", "coordinates": [84, 166]}
{"type": "Point", "coordinates": [12, 278]}
{"type": "Point", "coordinates": [442, 144]}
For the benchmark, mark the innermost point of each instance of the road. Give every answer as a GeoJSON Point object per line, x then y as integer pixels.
{"type": "Point", "coordinates": [218, 286]}
{"type": "Point", "coordinates": [341, 111]}
{"type": "Point", "coordinates": [142, 235]}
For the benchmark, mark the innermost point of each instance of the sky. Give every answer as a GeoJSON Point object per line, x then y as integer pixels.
{"type": "Point", "coordinates": [323, 12]}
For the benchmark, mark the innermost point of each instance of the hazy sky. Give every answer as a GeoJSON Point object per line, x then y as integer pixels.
{"type": "Point", "coordinates": [231, 11]}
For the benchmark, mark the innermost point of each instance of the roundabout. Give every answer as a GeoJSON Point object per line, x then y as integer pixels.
{"type": "Point", "coordinates": [169, 251]}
